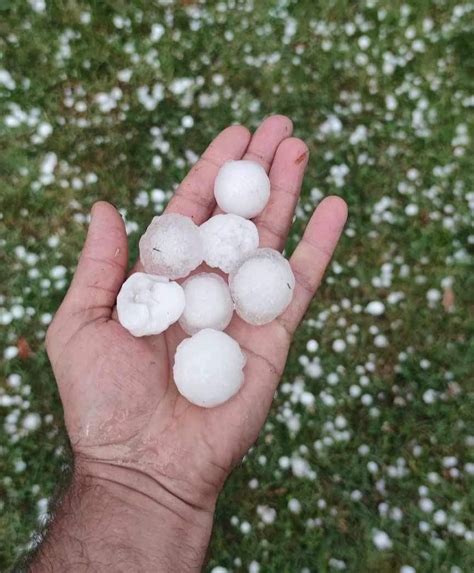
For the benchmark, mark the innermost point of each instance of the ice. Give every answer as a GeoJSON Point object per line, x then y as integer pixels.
{"type": "Point", "coordinates": [375, 308]}
{"type": "Point", "coordinates": [149, 304]}
{"type": "Point", "coordinates": [242, 187]}
{"type": "Point", "coordinates": [208, 368]}
{"type": "Point", "coordinates": [171, 246]}
{"type": "Point", "coordinates": [381, 540]}
{"type": "Point", "coordinates": [208, 303]}
{"type": "Point", "coordinates": [226, 239]}
{"type": "Point", "coordinates": [262, 286]}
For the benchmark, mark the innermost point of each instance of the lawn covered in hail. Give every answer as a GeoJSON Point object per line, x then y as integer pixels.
{"type": "Point", "coordinates": [365, 463]}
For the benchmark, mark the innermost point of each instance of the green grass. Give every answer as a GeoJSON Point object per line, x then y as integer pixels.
{"type": "Point", "coordinates": [242, 68]}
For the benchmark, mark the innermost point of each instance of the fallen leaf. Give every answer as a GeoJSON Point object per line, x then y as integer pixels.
{"type": "Point", "coordinates": [24, 350]}
{"type": "Point", "coordinates": [448, 299]}
{"type": "Point", "coordinates": [278, 491]}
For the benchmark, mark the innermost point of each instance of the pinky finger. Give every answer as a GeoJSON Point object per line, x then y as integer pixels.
{"type": "Point", "coordinates": [312, 256]}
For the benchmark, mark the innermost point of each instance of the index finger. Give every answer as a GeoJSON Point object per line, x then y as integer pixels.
{"type": "Point", "coordinates": [312, 256]}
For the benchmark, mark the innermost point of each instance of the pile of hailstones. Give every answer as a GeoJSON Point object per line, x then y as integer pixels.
{"type": "Point", "coordinates": [208, 366]}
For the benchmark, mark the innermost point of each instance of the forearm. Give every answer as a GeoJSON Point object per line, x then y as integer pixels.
{"type": "Point", "coordinates": [116, 521]}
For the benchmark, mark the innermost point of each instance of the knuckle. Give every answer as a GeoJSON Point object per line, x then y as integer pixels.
{"type": "Point", "coordinates": [51, 335]}
{"type": "Point", "coordinates": [48, 341]}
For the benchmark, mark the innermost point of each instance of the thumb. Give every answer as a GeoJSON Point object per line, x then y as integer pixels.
{"type": "Point", "coordinates": [103, 262]}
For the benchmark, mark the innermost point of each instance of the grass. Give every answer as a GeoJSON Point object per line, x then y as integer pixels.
{"type": "Point", "coordinates": [409, 187]}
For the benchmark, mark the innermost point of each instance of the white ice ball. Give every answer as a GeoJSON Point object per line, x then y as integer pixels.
{"type": "Point", "coordinates": [262, 286]}
{"type": "Point", "coordinates": [149, 304]}
{"type": "Point", "coordinates": [375, 308]}
{"type": "Point", "coordinates": [242, 187]}
{"type": "Point", "coordinates": [208, 303]}
{"type": "Point", "coordinates": [226, 239]}
{"type": "Point", "coordinates": [171, 246]}
{"type": "Point", "coordinates": [208, 368]}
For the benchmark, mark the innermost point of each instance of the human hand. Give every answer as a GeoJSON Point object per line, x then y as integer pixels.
{"type": "Point", "coordinates": [129, 427]}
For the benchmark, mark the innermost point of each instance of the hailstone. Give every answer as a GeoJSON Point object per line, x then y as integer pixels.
{"type": "Point", "coordinates": [149, 304]}
{"type": "Point", "coordinates": [262, 286]}
{"type": "Point", "coordinates": [208, 303]}
{"type": "Point", "coordinates": [226, 239]}
{"type": "Point", "coordinates": [242, 187]}
{"type": "Point", "coordinates": [171, 246]}
{"type": "Point", "coordinates": [208, 368]}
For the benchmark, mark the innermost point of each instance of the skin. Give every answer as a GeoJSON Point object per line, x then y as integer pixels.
{"type": "Point", "coordinates": [149, 465]}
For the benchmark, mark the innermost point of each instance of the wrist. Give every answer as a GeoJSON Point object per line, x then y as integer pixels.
{"type": "Point", "coordinates": [119, 519]}
{"type": "Point", "coordinates": [142, 489]}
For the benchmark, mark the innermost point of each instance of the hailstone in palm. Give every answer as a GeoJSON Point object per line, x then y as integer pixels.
{"type": "Point", "coordinates": [171, 246]}
{"type": "Point", "coordinates": [208, 368]}
{"type": "Point", "coordinates": [149, 304]}
{"type": "Point", "coordinates": [226, 239]}
{"type": "Point", "coordinates": [242, 187]}
{"type": "Point", "coordinates": [208, 303]}
{"type": "Point", "coordinates": [262, 286]}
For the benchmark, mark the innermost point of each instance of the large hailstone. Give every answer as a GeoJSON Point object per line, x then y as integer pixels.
{"type": "Point", "coordinates": [226, 239]}
{"type": "Point", "coordinates": [208, 303]}
{"type": "Point", "coordinates": [171, 246]}
{"type": "Point", "coordinates": [149, 304]}
{"type": "Point", "coordinates": [262, 286]}
{"type": "Point", "coordinates": [242, 187]}
{"type": "Point", "coordinates": [208, 368]}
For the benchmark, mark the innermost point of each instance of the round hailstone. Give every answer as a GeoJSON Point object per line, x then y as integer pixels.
{"type": "Point", "coordinates": [226, 239]}
{"type": "Point", "coordinates": [262, 286]}
{"type": "Point", "coordinates": [242, 187]}
{"type": "Point", "coordinates": [208, 368]}
{"type": "Point", "coordinates": [148, 304]}
{"type": "Point", "coordinates": [171, 246]}
{"type": "Point", "coordinates": [208, 303]}
{"type": "Point", "coordinates": [375, 308]}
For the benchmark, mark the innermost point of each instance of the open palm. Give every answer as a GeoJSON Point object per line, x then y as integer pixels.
{"type": "Point", "coordinates": [122, 409]}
